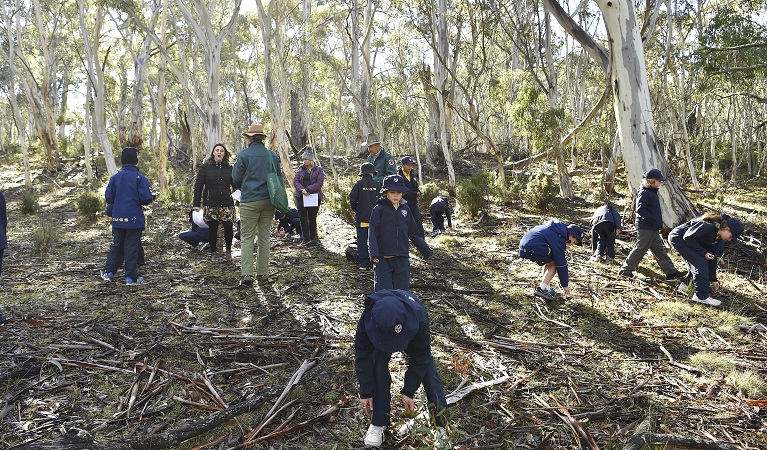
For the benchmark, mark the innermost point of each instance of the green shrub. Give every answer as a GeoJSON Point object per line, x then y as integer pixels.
{"type": "Point", "coordinates": [473, 195]}
{"type": "Point", "coordinates": [89, 203]}
{"type": "Point", "coordinates": [541, 190]}
{"type": "Point", "coordinates": [337, 198]}
{"type": "Point", "coordinates": [428, 192]}
{"type": "Point", "coordinates": [182, 194]}
{"type": "Point", "coordinates": [29, 204]}
{"type": "Point", "coordinates": [44, 238]}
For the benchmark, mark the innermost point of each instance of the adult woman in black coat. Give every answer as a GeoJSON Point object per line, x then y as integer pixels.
{"type": "Point", "coordinates": [213, 191]}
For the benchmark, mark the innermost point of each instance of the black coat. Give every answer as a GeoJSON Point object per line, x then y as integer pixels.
{"type": "Point", "coordinates": [363, 198]}
{"type": "Point", "coordinates": [213, 186]}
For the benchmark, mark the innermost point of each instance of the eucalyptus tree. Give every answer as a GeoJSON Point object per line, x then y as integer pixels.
{"type": "Point", "coordinates": [626, 68]}
{"type": "Point", "coordinates": [13, 72]}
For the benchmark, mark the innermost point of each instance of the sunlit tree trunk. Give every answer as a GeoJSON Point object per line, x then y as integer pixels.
{"type": "Point", "coordinates": [441, 54]}
{"type": "Point", "coordinates": [162, 108]}
{"type": "Point", "coordinates": [565, 188]}
{"type": "Point", "coordinates": [88, 113]}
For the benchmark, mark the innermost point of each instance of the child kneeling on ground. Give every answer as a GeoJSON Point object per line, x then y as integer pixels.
{"type": "Point", "coordinates": [546, 244]}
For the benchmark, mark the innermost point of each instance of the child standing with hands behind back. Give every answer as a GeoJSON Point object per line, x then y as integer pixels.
{"type": "Point", "coordinates": [391, 226]}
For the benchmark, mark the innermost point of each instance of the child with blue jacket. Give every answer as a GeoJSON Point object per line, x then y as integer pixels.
{"type": "Point", "coordinates": [698, 242]}
{"type": "Point", "coordinates": [649, 222]}
{"type": "Point", "coordinates": [391, 226]}
{"type": "Point", "coordinates": [288, 223]}
{"type": "Point", "coordinates": [127, 191]}
{"type": "Point", "coordinates": [605, 224]}
{"type": "Point", "coordinates": [546, 244]}
{"type": "Point", "coordinates": [439, 209]}
{"type": "Point", "coordinates": [362, 199]}
{"type": "Point", "coordinates": [396, 321]}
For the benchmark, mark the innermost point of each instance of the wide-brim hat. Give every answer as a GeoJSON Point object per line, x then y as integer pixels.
{"type": "Point", "coordinates": [372, 139]}
{"type": "Point", "coordinates": [367, 168]}
{"type": "Point", "coordinates": [394, 183]}
{"type": "Point", "coordinates": [391, 324]}
{"type": "Point", "coordinates": [577, 232]}
{"type": "Point", "coordinates": [256, 129]}
{"type": "Point", "coordinates": [655, 174]}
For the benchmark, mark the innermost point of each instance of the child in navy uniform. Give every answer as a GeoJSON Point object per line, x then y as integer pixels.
{"type": "Point", "coordinates": [362, 199]}
{"type": "Point", "coordinates": [698, 241]}
{"type": "Point", "coordinates": [546, 244]}
{"type": "Point", "coordinates": [438, 210]}
{"type": "Point", "coordinates": [288, 223]}
{"type": "Point", "coordinates": [197, 237]}
{"type": "Point", "coordinates": [605, 224]}
{"type": "Point", "coordinates": [391, 226]}
{"type": "Point", "coordinates": [396, 321]}
{"type": "Point", "coordinates": [127, 191]}
{"type": "Point", "coordinates": [413, 192]}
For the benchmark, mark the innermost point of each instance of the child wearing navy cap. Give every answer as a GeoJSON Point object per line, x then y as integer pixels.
{"type": "Point", "coordinates": [411, 196]}
{"type": "Point", "coordinates": [391, 226]}
{"type": "Point", "coordinates": [362, 199]}
{"type": "Point", "coordinates": [649, 222]}
{"type": "Point", "coordinates": [396, 321]}
{"type": "Point", "coordinates": [697, 241]}
{"type": "Point", "coordinates": [546, 244]}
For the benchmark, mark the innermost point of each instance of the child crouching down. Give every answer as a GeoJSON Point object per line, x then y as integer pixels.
{"type": "Point", "coordinates": [391, 226]}
{"type": "Point", "coordinates": [546, 244]}
{"type": "Point", "coordinates": [605, 224]}
{"type": "Point", "coordinates": [697, 241]}
{"type": "Point", "coordinates": [396, 321]}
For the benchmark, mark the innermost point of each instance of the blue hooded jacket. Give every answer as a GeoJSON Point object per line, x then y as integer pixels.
{"type": "Point", "coordinates": [127, 191]}
{"type": "Point", "coordinates": [547, 242]}
{"type": "Point", "coordinates": [606, 213]}
{"type": "Point", "coordinates": [648, 210]}
{"type": "Point", "coordinates": [363, 198]}
{"type": "Point", "coordinates": [698, 235]}
{"type": "Point", "coordinates": [390, 230]}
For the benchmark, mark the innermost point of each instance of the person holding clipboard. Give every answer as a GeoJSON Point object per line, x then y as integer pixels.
{"type": "Point", "coordinates": [308, 183]}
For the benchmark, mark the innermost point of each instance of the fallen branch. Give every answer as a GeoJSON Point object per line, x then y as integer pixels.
{"type": "Point", "coordinates": [693, 370]}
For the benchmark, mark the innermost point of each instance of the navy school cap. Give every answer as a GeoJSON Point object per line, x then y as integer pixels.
{"type": "Point", "coordinates": [655, 174]}
{"type": "Point", "coordinates": [576, 231]}
{"type": "Point", "coordinates": [391, 323]}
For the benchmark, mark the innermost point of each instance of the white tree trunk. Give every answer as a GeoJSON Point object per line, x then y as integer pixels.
{"type": "Point", "coordinates": [442, 52]}
{"type": "Point", "coordinates": [162, 104]}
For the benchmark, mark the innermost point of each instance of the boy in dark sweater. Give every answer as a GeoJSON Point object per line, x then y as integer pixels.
{"type": "Point", "coordinates": [362, 199]}
{"type": "Point", "coordinates": [605, 224]}
{"type": "Point", "coordinates": [438, 210]}
{"type": "Point", "coordinates": [546, 244]}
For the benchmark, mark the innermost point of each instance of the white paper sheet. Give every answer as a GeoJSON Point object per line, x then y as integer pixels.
{"type": "Point", "coordinates": [198, 218]}
{"type": "Point", "coordinates": [236, 195]}
{"type": "Point", "coordinates": [311, 200]}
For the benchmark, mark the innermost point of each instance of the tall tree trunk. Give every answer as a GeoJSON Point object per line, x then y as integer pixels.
{"type": "Point", "coordinates": [565, 188]}
{"type": "Point", "coordinates": [88, 113]}
{"type": "Point", "coordinates": [441, 54]}
{"type": "Point", "coordinates": [434, 158]}
{"type": "Point", "coordinates": [135, 136]}
{"type": "Point", "coordinates": [162, 108]}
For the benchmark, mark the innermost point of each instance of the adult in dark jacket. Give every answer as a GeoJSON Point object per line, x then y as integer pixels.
{"type": "Point", "coordinates": [649, 222]}
{"type": "Point", "coordinates": [308, 181]}
{"type": "Point", "coordinates": [391, 227]}
{"type": "Point", "coordinates": [395, 321]}
{"type": "Point", "coordinates": [698, 242]}
{"type": "Point", "coordinates": [362, 199]}
{"type": "Point", "coordinates": [411, 196]}
{"type": "Point", "coordinates": [288, 223]}
{"type": "Point", "coordinates": [380, 158]}
{"type": "Point", "coordinates": [213, 190]}
{"type": "Point", "coordinates": [3, 231]}
{"type": "Point", "coordinates": [439, 209]}
{"type": "Point", "coordinates": [197, 237]}
{"type": "Point", "coordinates": [249, 174]}
{"type": "Point", "coordinates": [605, 224]}
{"type": "Point", "coordinates": [546, 244]}
{"type": "Point", "coordinates": [127, 191]}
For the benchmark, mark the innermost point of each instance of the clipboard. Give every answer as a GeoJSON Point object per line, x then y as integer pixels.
{"type": "Point", "coordinates": [311, 200]}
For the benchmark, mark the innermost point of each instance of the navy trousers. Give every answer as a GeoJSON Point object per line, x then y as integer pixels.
{"type": "Point", "coordinates": [125, 248]}
{"type": "Point", "coordinates": [432, 386]}
{"type": "Point", "coordinates": [700, 269]}
{"type": "Point", "coordinates": [603, 239]}
{"type": "Point", "coordinates": [363, 253]}
{"type": "Point", "coordinates": [438, 220]}
{"type": "Point", "coordinates": [392, 273]}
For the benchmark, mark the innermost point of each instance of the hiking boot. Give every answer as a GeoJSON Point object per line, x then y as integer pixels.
{"type": "Point", "coordinates": [374, 436]}
{"type": "Point", "coordinates": [246, 280]}
{"type": "Point", "coordinates": [675, 275]}
{"type": "Point", "coordinates": [682, 288]}
{"type": "Point", "coordinates": [262, 279]}
{"type": "Point", "coordinates": [107, 276]}
{"type": "Point", "coordinates": [708, 301]}
{"type": "Point", "coordinates": [546, 294]}
{"type": "Point", "coordinates": [626, 274]}
{"type": "Point", "coordinates": [138, 280]}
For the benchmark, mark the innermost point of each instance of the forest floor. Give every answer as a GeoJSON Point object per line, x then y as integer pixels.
{"type": "Point", "coordinates": [191, 360]}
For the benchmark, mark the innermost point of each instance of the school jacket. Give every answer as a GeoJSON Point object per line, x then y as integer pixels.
{"type": "Point", "coordinates": [418, 350]}
{"type": "Point", "coordinates": [3, 223]}
{"type": "Point", "coordinates": [390, 230]}
{"type": "Point", "coordinates": [440, 204]}
{"type": "Point", "coordinates": [549, 238]}
{"type": "Point", "coordinates": [384, 164]}
{"type": "Point", "coordinates": [290, 222]}
{"type": "Point", "coordinates": [126, 192]}
{"type": "Point", "coordinates": [316, 180]}
{"type": "Point", "coordinates": [648, 209]}
{"type": "Point", "coordinates": [213, 186]}
{"type": "Point", "coordinates": [606, 213]}
{"type": "Point", "coordinates": [700, 237]}
{"type": "Point", "coordinates": [363, 198]}
{"type": "Point", "coordinates": [250, 171]}
{"type": "Point", "coordinates": [412, 184]}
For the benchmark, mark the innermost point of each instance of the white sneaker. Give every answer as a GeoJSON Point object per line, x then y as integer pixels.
{"type": "Point", "coordinates": [709, 301]}
{"type": "Point", "coordinates": [441, 439]}
{"type": "Point", "coordinates": [682, 287]}
{"type": "Point", "coordinates": [374, 436]}
{"type": "Point", "coordinates": [594, 258]}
